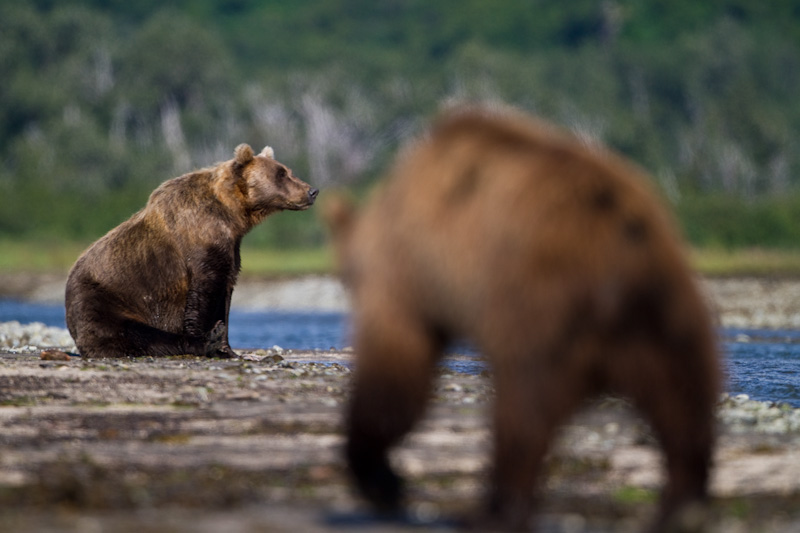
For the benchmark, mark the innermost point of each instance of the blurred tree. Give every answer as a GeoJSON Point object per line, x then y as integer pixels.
{"type": "Point", "coordinates": [103, 99]}
{"type": "Point", "coordinates": [176, 77]}
{"type": "Point", "coordinates": [49, 63]}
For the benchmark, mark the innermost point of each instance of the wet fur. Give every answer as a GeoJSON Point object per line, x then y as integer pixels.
{"type": "Point", "coordinates": [561, 265]}
{"type": "Point", "coordinates": [161, 282]}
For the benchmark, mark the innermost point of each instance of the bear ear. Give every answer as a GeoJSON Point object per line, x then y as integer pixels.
{"type": "Point", "coordinates": [243, 154]}
{"type": "Point", "coordinates": [268, 152]}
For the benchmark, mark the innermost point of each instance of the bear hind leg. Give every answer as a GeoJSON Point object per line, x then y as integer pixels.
{"type": "Point", "coordinates": [677, 392]}
{"type": "Point", "coordinates": [128, 338]}
{"type": "Point", "coordinates": [531, 404]}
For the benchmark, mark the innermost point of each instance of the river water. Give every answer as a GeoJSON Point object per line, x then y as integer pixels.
{"type": "Point", "coordinates": [765, 364]}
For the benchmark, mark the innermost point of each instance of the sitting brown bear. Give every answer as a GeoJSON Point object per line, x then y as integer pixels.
{"type": "Point", "coordinates": [160, 283]}
{"type": "Point", "coordinates": [560, 264]}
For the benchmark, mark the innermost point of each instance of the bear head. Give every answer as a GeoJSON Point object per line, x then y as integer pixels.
{"type": "Point", "coordinates": [340, 216]}
{"type": "Point", "coordinates": [269, 185]}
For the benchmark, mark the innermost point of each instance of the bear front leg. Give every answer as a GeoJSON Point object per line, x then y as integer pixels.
{"type": "Point", "coordinates": [226, 348]}
{"type": "Point", "coordinates": [204, 326]}
{"type": "Point", "coordinates": [200, 339]}
{"type": "Point", "coordinates": [677, 390]}
{"type": "Point", "coordinates": [394, 368]}
{"type": "Point", "coordinates": [217, 340]}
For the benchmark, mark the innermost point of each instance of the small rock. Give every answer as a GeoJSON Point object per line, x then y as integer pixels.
{"type": "Point", "coordinates": [202, 394]}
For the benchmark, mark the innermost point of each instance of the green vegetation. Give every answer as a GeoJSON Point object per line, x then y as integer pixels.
{"type": "Point", "coordinates": [258, 261]}
{"type": "Point", "coordinates": [58, 257]}
{"type": "Point", "coordinates": [635, 495]}
{"type": "Point", "coordinates": [270, 261]}
{"type": "Point", "coordinates": [746, 261]}
{"type": "Point", "coordinates": [38, 256]}
{"type": "Point", "coordinates": [102, 100]}
{"type": "Point", "coordinates": [723, 221]}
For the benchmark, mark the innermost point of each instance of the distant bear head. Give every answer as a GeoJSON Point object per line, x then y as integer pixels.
{"type": "Point", "coordinates": [340, 216]}
{"type": "Point", "coordinates": [270, 185]}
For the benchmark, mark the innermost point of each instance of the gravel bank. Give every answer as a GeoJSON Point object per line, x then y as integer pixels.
{"type": "Point", "coordinates": [755, 302]}
{"type": "Point", "coordinates": [254, 444]}
{"type": "Point", "coordinates": [738, 412]}
{"type": "Point", "coordinates": [30, 338]}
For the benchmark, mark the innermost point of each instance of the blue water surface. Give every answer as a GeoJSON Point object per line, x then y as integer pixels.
{"type": "Point", "coordinates": [764, 364]}
{"type": "Point", "coordinates": [288, 329]}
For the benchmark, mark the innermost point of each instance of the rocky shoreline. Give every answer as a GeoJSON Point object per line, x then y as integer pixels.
{"type": "Point", "coordinates": [739, 411]}
{"type": "Point", "coordinates": [254, 444]}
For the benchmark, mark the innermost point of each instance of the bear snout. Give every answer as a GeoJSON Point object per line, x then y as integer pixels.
{"type": "Point", "coordinates": [312, 195]}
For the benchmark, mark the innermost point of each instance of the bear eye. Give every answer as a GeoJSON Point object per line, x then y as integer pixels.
{"type": "Point", "coordinates": [281, 174]}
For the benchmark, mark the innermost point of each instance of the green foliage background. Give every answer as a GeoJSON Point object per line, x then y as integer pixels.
{"type": "Point", "coordinates": [101, 100]}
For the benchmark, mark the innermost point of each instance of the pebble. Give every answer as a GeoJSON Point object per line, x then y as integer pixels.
{"type": "Point", "coordinates": [740, 414]}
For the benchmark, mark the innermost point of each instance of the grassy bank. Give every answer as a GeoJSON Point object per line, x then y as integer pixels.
{"type": "Point", "coordinates": [57, 257]}
{"type": "Point", "coordinates": [38, 256]}
{"type": "Point", "coordinates": [270, 262]}
{"type": "Point", "coordinates": [746, 262]}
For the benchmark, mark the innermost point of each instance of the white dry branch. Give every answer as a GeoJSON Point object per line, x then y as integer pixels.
{"type": "Point", "coordinates": [173, 135]}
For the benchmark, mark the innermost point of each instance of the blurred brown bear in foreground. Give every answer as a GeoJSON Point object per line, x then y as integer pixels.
{"type": "Point", "coordinates": [560, 264]}
{"type": "Point", "coordinates": [160, 283]}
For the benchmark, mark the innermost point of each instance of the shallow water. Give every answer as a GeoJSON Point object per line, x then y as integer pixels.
{"type": "Point", "coordinates": [764, 364]}
{"type": "Point", "coordinates": [289, 330]}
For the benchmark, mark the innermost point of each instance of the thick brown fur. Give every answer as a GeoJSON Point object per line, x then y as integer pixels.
{"type": "Point", "coordinates": [160, 283]}
{"type": "Point", "coordinates": [563, 268]}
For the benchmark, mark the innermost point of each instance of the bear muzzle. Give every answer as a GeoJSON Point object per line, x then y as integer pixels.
{"type": "Point", "coordinates": [311, 196]}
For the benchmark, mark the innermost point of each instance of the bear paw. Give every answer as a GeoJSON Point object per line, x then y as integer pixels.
{"type": "Point", "coordinates": [215, 339]}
